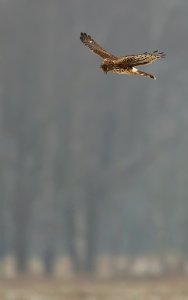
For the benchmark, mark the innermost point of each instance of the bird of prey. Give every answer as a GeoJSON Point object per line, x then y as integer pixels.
{"type": "Point", "coordinates": [121, 64]}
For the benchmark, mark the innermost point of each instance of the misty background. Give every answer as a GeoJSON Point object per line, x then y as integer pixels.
{"type": "Point", "coordinates": [93, 168]}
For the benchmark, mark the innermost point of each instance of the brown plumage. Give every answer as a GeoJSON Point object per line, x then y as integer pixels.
{"type": "Point", "coordinates": [123, 64]}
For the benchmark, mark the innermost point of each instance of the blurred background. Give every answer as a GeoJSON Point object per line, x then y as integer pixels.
{"type": "Point", "coordinates": [93, 168]}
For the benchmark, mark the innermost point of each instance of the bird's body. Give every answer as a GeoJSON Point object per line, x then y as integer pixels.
{"type": "Point", "coordinates": [123, 64]}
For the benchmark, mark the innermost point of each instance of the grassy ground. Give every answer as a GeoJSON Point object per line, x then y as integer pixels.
{"type": "Point", "coordinates": [161, 289]}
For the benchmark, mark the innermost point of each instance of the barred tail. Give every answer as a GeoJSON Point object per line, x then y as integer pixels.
{"type": "Point", "coordinates": [142, 73]}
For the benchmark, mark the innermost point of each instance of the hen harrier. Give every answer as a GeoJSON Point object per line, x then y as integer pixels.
{"type": "Point", "coordinates": [123, 64]}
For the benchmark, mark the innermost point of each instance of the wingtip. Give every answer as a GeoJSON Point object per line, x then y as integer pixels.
{"type": "Point", "coordinates": [161, 54]}
{"type": "Point", "coordinates": [83, 35]}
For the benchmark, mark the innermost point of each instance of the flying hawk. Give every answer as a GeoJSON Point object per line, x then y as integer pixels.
{"type": "Point", "coordinates": [123, 64]}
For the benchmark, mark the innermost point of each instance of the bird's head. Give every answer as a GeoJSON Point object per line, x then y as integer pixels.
{"type": "Point", "coordinates": [104, 68]}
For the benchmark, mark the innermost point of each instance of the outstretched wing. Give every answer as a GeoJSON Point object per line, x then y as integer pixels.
{"type": "Point", "coordinates": [140, 59]}
{"type": "Point", "coordinates": [92, 45]}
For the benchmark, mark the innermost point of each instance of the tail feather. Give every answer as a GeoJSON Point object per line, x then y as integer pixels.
{"type": "Point", "coordinates": [142, 73]}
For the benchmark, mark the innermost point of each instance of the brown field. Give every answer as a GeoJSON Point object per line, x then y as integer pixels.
{"type": "Point", "coordinates": [152, 289]}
